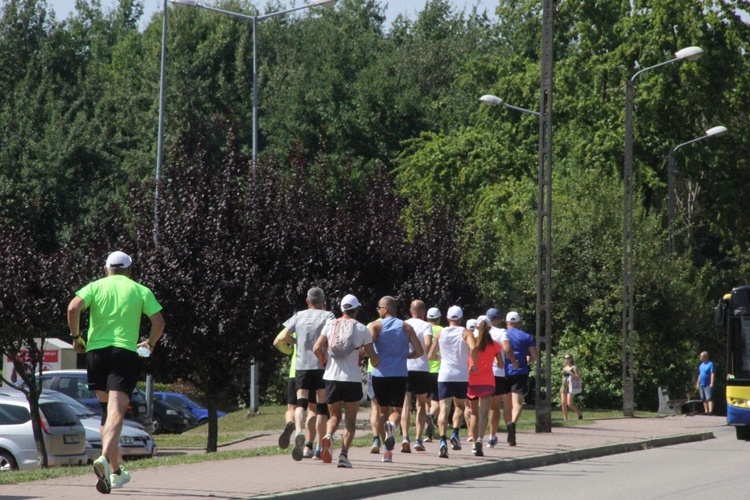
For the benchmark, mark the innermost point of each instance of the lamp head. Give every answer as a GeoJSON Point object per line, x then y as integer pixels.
{"type": "Point", "coordinates": [716, 131]}
{"type": "Point", "coordinates": [491, 100]}
{"type": "Point", "coordinates": [325, 3]}
{"type": "Point", "coordinates": [689, 53]}
{"type": "Point", "coordinates": [184, 3]}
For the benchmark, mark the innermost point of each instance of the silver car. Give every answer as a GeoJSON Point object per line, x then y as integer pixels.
{"type": "Point", "coordinates": [135, 442]}
{"type": "Point", "coordinates": [64, 436]}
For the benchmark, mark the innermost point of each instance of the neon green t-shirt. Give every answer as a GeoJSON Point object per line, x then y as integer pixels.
{"type": "Point", "coordinates": [435, 364]}
{"type": "Point", "coordinates": [117, 304]}
{"type": "Point", "coordinates": [292, 364]}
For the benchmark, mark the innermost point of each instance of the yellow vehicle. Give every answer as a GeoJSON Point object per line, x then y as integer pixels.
{"type": "Point", "coordinates": [733, 315]}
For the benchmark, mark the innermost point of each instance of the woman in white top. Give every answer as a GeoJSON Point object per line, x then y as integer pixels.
{"type": "Point", "coordinates": [569, 373]}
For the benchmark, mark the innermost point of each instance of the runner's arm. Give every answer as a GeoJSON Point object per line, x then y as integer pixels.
{"type": "Point", "coordinates": [318, 348]}
{"type": "Point", "coordinates": [469, 339]}
{"type": "Point", "coordinates": [509, 353]}
{"type": "Point", "coordinates": [282, 346]}
{"type": "Point", "coordinates": [286, 336]}
{"type": "Point", "coordinates": [375, 328]}
{"type": "Point", "coordinates": [433, 352]}
{"type": "Point", "coordinates": [533, 355]}
{"type": "Point", "coordinates": [370, 351]}
{"type": "Point", "coordinates": [415, 343]}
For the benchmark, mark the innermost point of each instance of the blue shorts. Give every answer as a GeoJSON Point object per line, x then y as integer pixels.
{"type": "Point", "coordinates": [706, 393]}
{"type": "Point", "coordinates": [452, 390]}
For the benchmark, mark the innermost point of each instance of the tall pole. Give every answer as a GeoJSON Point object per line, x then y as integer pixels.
{"type": "Point", "coordinates": [255, 93]}
{"type": "Point", "coordinates": [160, 139]}
{"type": "Point", "coordinates": [628, 243]}
{"type": "Point", "coordinates": [628, 404]}
{"type": "Point", "coordinates": [543, 390]}
{"type": "Point", "coordinates": [157, 189]}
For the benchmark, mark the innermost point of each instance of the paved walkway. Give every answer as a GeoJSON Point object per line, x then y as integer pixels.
{"type": "Point", "coordinates": [281, 476]}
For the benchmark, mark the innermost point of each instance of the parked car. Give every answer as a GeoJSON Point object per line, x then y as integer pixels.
{"type": "Point", "coordinates": [170, 419]}
{"type": "Point", "coordinates": [135, 442]}
{"type": "Point", "coordinates": [74, 383]}
{"type": "Point", "coordinates": [183, 402]}
{"type": "Point", "coordinates": [64, 436]}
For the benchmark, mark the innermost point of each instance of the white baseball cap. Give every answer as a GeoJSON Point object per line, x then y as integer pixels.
{"type": "Point", "coordinates": [119, 260]}
{"type": "Point", "coordinates": [471, 324]}
{"type": "Point", "coordinates": [349, 302]}
{"type": "Point", "coordinates": [513, 317]}
{"type": "Point", "coordinates": [454, 313]}
{"type": "Point", "coordinates": [484, 318]}
{"type": "Point", "coordinates": [433, 313]}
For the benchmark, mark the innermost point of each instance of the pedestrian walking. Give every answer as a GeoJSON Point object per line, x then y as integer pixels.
{"type": "Point", "coordinates": [392, 338]}
{"type": "Point", "coordinates": [307, 325]}
{"type": "Point", "coordinates": [571, 383]}
{"type": "Point", "coordinates": [455, 344]}
{"type": "Point", "coordinates": [338, 348]}
{"type": "Point", "coordinates": [116, 304]}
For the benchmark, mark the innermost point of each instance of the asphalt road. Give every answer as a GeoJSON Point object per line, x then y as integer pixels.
{"type": "Point", "coordinates": [716, 468]}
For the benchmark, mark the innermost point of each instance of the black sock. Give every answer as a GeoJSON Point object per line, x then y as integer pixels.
{"type": "Point", "coordinates": [309, 445]}
{"type": "Point", "coordinates": [344, 453]}
{"type": "Point", "coordinates": [118, 471]}
{"type": "Point", "coordinates": [455, 431]}
{"type": "Point", "coordinates": [442, 438]}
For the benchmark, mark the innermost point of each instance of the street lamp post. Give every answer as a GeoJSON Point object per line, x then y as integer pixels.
{"type": "Point", "coordinates": [628, 407]}
{"type": "Point", "coordinates": [254, 19]}
{"type": "Point", "coordinates": [671, 179]}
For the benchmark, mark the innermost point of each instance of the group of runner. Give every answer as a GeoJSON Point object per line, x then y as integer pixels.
{"type": "Point", "coordinates": [415, 361]}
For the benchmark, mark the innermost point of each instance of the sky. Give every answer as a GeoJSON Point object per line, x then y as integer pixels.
{"type": "Point", "coordinates": [395, 7]}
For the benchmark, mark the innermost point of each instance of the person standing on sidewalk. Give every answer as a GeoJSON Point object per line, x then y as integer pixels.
{"type": "Point", "coordinates": [307, 324]}
{"type": "Point", "coordinates": [433, 405]}
{"type": "Point", "coordinates": [392, 338]}
{"type": "Point", "coordinates": [418, 383]}
{"type": "Point", "coordinates": [705, 383]}
{"type": "Point", "coordinates": [343, 338]}
{"type": "Point", "coordinates": [116, 304]}
{"type": "Point", "coordinates": [502, 394]}
{"type": "Point", "coordinates": [455, 344]}
{"type": "Point", "coordinates": [517, 377]}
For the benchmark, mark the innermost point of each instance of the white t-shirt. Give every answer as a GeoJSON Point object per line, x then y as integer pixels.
{"type": "Point", "coordinates": [422, 329]}
{"type": "Point", "coordinates": [498, 335]}
{"type": "Point", "coordinates": [307, 325]}
{"type": "Point", "coordinates": [346, 369]}
{"type": "Point", "coordinates": [454, 355]}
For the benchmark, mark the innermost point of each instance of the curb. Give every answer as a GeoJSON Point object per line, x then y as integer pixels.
{"type": "Point", "coordinates": [436, 477]}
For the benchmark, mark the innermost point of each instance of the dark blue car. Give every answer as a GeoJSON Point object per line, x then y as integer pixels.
{"type": "Point", "coordinates": [185, 403]}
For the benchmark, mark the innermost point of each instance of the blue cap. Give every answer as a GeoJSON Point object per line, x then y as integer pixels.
{"type": "Point", "coordinates": [493, 313]}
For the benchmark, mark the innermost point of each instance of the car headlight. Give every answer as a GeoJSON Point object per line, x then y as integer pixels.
{"type": "Point", "coordinates": [172, 412]}
{"type": "Point", "coordinates": [126, 440]}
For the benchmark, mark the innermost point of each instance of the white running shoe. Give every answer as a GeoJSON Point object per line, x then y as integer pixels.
{"type": "Point", "coordinates": [102, 471]}
{"type": "Point", "coordinates": [118, 480]}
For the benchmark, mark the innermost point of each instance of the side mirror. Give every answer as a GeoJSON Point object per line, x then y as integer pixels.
{"type": "Point", "coordinates": [719, 312]}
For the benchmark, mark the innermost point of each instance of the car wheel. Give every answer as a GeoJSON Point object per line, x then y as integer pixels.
{"type": "Point", "coordinates": [204, 421]}
{"type": "Point", "coordinates": [158, 429]}
{"type": "Point", "coordinates": [7, 462]}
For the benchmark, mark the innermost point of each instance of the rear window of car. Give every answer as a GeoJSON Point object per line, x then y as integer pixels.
{"type": "Point", "coordinates": [59, 414]}
{"type": "Point", "coordinates": [13, 415]}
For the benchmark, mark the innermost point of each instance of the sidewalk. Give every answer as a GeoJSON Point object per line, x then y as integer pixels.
{"type": "Point", "coordinates": [281, 476]}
